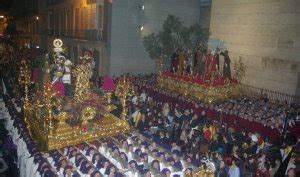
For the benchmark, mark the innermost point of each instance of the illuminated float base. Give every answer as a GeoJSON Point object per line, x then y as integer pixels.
{"type": "Point", "coordinates": [62, 133]}
{"type": "Point", "coordinates": [207, 93]}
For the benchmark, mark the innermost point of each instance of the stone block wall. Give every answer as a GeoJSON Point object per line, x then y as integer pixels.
{"type": "Point", "coordinates": [265, 34]}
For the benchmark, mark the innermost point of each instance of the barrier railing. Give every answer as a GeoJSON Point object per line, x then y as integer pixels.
{"type": "Point", "coordinates": [271, 94]}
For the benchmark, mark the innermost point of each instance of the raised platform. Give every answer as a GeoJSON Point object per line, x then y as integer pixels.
{"type": "Point", "coordinates": [203, 89]}
{"type": "Point", "coordinates": [74, 124]}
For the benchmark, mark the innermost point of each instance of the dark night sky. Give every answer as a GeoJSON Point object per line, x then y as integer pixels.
{"type": "Point", "coordinates": [5, 5]}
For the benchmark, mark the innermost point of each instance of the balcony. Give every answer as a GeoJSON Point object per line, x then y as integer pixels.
{"type": "Point", "coordinates": [91, 35]}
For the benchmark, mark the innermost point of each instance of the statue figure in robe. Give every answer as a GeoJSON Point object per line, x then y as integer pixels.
{"type": "Point", "coordinates": [58, 71]}
{"type": "Point", "coordinates": [217, 56]}
{"type": "Point", "coordinates": [174, 61]}
{"type": "Point", "coordinates": [211, 63]}
{"type": "Point", "coordinates": [66, 78]}
{"type": "Point", "coordinates": [226, 67]}
{"type": "Point", "coordinates": [182, 63]}
{"type": "Point", "coordinates": [198, 63]}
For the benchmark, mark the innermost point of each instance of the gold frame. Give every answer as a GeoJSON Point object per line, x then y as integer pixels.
{"type": "Point", "coordinates": [207, 94]}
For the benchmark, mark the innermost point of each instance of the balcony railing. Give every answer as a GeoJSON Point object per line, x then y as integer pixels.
{"type": "Point", "coordinates": [91, 35]}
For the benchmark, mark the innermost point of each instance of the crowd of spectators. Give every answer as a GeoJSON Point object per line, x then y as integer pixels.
{"type": "Point", "coordinates": [180, 123]}
{"type": "Point", "coordinates": [192, 131]}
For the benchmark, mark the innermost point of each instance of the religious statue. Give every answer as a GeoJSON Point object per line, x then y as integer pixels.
{"type": "Point", "coordinates": [61, 69]}
{"type": "Point", "coordinates": [58, 72]}
{"type": "Point", "coordinates": [198, 63]}
{"type": "Point", "coordinates": [182, 63]}
{"type": "Point", "coordinates": [175, 61]}
{"type": "Point", "coordinates": [83, 73]}
{"type": "Point", "coordinates": [211, 63]}
{"type": "Point", "coordinates": [226, 67]}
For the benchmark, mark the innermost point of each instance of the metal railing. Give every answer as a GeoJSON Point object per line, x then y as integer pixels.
{"type": "Point", "coordinates": [91, 35]}
{"type": "Point", "coordinates": [271, 94]}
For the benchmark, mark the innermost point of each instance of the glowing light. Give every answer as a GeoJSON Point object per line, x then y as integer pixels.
{"type": "Point", "coordinates": [37, 18]}
{"type": "Point", "coordinates": [1, 16]}
{"type": "Point", "coordinates": [37, 47]}
{"type": "Point", "coordinates": [143, 7]}
{"type": "Point", "coordinates": [142, 27]}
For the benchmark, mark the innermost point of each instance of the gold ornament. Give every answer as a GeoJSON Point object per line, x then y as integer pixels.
{"type": "Point", "coordinates": [82, 73]}
{"type": "Point", "coordinates": [124, 90]}
{"type": "Point", "coordinates": [207, 94]}
{"type": "Point", "coordinates": [50, 126]}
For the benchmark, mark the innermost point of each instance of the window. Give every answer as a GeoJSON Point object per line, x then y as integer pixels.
{"type": "Point", "coordinates": [92, 16]}
{"type": "Point", "coordinates": [100, 17]}
{"type": "Point", "coordinates": [76, 19]}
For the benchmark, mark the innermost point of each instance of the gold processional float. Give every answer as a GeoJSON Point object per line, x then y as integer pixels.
{"type": "Point", "coordinates": [55, 122]}
{"type": "Point", "coordinates": [50, 121]}
{"type": "Point", "coordinates": [207, 93]}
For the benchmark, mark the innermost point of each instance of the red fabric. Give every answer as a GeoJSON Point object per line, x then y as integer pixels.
{"type": "Point", "coordinates": [60, 88]}
{"type": "Point", "coordinates": [108, 84]}
{"type": "Point", "coordinates": [35, 75]}
{"type": "Point", "coordinates": [207, 135]}
{"type": "Point", "coordinates": [211, 63]}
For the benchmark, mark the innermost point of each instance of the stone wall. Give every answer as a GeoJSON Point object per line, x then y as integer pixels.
{"type": "Point", "coordinates": [127, 53]}
{"type": "Point", "coordinates": [265, 35]}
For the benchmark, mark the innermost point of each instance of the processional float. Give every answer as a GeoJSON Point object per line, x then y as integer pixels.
{"type": "Point", "coordinates": [210, 87]}
{"type": "Point", "coordinates": [55, 122]}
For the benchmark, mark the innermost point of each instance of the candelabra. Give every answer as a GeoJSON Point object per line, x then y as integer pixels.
{"type": "Point", "coordinates": [124, 89]}
{"type": "Point", "coordinates": [24, 79]}
{"type": "Point", "coordinates": [50, 101]}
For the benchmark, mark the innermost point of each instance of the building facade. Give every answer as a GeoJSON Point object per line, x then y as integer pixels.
{"type": "Point", "coordinates": [132, 20]}
{"type": "Point", "coordinates": [112, 29]}
{"type": "Point", "coordinates": [26, 23]}
{"type": "Point", "coordinates": [81, 24]}
{"type": "Point", "coordinates": [265, 35]}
